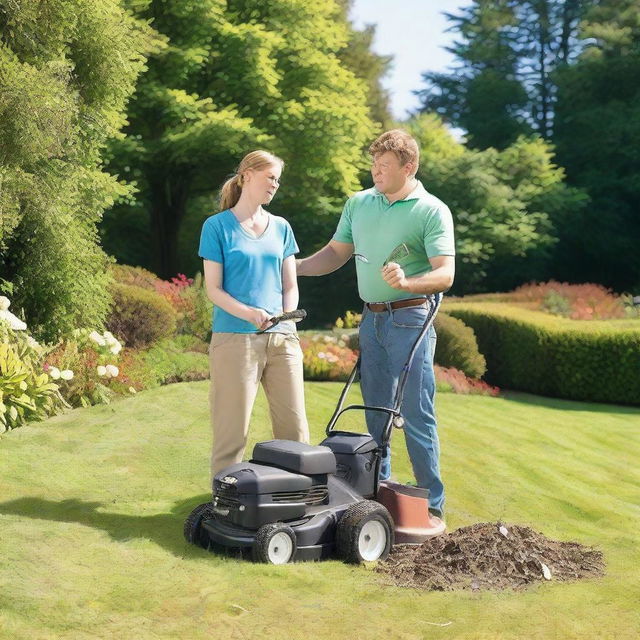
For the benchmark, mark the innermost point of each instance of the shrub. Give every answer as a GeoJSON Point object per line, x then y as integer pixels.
{"type": "Point", "coordinates": [26, 392]}
{"type": "Point", "coordinates": [595, 361]}
{"type": "Point", "coordinates": [136, 276]}
{"type": "Point", "coordinates": [351, 320]}
{"type": "Point", "coordinates": [140, 317]}
{"type": "Point", "coordinates": [189, 299]}
{"type": "Point", "coordinates": [576, 301]}
{"type": "Point", "coordinates": [457, 382]}
{"type": "Point", "coordinates": [89, 360]}
{"type": "Point", "coordinates": [457, 346]}
{"type": "Point", "coordinates": [327, 357]}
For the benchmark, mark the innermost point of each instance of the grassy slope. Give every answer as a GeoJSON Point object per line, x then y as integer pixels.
{"type": "Point", "coordinates": [92, 505]}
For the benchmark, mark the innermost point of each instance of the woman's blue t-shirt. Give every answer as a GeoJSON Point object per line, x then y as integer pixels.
{"type": "Point", "coordinates": [251, 266]}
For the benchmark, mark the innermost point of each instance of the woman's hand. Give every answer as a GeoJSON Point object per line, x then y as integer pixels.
{"type": "Point", "coordinates": [259, 317]}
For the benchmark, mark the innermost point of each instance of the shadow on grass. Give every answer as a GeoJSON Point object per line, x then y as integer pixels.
{"type": "Point", "coordinates": [165, 529]}
{"type": "Point", "coordinates": [568, 405]}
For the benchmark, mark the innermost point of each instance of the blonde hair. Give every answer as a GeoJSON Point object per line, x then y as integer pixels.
{"type": "Point", "coordinates": [400, 143]}
{"type": "Point", "coordinates": [232, 188]}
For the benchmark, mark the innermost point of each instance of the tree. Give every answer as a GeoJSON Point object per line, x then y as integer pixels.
{"type": "Point", "coordinates": [596, 133]}
{"type": "Point", "coordinates": [502, 85]}
{"type": "Point", "coordinates": [235, 76]}
{"type": "Point", "coordinates": [67, 68]}
{"type": "Point", "coordinates": [504, 204]}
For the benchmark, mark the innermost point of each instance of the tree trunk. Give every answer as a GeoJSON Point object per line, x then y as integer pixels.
{"type": "Point", "coordinates": [169, 196]}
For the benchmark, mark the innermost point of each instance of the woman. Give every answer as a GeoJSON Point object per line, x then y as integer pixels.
{"type": "Point", "coordinates": [250, 275]}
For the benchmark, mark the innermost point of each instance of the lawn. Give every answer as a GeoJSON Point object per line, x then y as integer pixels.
{"type": "Point", "coordinates": [92, 505]}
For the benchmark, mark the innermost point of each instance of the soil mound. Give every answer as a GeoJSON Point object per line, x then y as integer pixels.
{"type": "Point", "coordinates": [490, 556]}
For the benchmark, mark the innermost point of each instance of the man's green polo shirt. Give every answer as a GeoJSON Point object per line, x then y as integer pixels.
{"type": "Point", "coordinates": [375, 227]}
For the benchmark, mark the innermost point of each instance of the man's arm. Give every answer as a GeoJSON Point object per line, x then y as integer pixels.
{"type": "Point", "coordinates": [439, 279]}
{"type": "Point", "coordinates": [331, 257]}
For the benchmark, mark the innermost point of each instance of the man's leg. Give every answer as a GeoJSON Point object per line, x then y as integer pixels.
{"type": "Point", "coordinates": [236, 364]}
{"type": "Point", "coordinates": [420, 427]}
{"type": "Point", "coordinates": [376, 383]}
{"type": "Point", "coordinates": [283, 384]}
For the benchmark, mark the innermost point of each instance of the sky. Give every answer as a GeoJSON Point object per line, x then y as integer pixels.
{"type": "Point", "coordinates": [414, 32]}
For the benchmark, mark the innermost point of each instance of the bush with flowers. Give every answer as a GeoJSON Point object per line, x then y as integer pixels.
{"type": "Point", "coordinates": [451, 379]}
{"type": "Point", "coordinates": [26, 392]}
{"type": "Point", "coordinates": [327, 357]}
{"type": "Point", "coordinates": [85, 366]}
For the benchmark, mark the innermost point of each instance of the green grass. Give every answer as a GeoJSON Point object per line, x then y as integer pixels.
{"type": "Point", "coordinates": [92, 505]}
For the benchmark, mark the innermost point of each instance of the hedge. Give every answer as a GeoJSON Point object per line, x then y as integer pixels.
{"type": "Point", "coordinates": [597, 361]}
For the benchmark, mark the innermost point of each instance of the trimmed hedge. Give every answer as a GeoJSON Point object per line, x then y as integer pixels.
{"type": "Point", "coordinates": [457, 346]}
{"type": "Point", "coordinates": [597, 361]}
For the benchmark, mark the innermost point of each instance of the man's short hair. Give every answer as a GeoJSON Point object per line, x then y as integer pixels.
{"type": "Point", "coordinates": [399, 142]}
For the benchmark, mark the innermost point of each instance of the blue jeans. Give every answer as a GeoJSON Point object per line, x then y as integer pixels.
{"type": "Point", "coordinates": [386, 339]}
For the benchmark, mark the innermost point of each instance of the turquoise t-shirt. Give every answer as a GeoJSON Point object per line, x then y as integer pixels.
{"type": "Point", "coordinates": [376, 227]}
{"type": "Point", "coordinates": [251, 267]}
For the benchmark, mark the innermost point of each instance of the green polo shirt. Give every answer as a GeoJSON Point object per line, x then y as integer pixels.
{"type": "Point", "coordinates": [375, 227]}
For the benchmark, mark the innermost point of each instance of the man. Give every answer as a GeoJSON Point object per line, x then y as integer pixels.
{"type": "Point", "coordinates": [373, 223]}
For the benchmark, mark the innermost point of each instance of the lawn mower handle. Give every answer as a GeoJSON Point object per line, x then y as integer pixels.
{"type": "Point", "coordinates": [392, 412]}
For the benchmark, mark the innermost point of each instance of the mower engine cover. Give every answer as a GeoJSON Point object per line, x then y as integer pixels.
{"type": "Point", "coordinates": [277, 485]}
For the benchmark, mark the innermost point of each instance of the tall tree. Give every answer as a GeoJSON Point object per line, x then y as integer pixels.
{"type": "Point", "coordinates": [596, 133]}
{"type": "Point", "coordinates": [504, 203]}
{"type": "Point", "coordinates": [237, 75]}
{"type": "Point", "coordinates": [67, 68]}
{"type": "Point", "coordinates": [502, 84]}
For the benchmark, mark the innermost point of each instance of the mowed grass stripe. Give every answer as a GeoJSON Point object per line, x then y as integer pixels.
{"type": "Point", "coordinates": [92, 506]}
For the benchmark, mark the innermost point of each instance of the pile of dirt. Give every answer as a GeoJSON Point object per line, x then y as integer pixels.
{"type": "Point", "coordinates": [490, 556]}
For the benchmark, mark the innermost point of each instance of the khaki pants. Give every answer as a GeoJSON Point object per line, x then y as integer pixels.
{"type": "Point", "coordinates": [238, 363]}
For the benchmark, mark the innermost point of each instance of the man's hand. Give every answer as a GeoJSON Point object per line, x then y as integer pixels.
{"type": "Point", "coordinates": [259, 317]}
{"type": "Point", "coordinates": [394, 276]}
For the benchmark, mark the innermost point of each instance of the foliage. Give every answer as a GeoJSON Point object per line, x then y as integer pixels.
{"type": "Point", "coordinates": [140, 317]}
{"type": "Point", "coordinates": [535, 352]}
{"type": "Point", "coordinates": [502, 84]}
{"type": "Point", "coordinates": [351, 320]}
{"type": "Point", "coordinates": [457, 347]}
{"type": "Point", "coordinates": [137, 276]}
{"type": "Point", "coordinates": [596, 134]}
{"type": "Point", "coordinates": [504, 203]}
{"type": "Point", "coordinates": [89, 360]}
{"type": "Point", "coordinates": [456, 381]}
{"type": "Point", "coordinates": [576, 301]}
{"type": "Point", "coordinates": [234, 77]}
{"type": "Point", "coordinates": [66, 75]}
{"type": "Point", "coordinates": [27, 393]}
{"type": "Point", "coordinates": [178, 359]}
{"type": "Point", "coordinates": [327, 357]}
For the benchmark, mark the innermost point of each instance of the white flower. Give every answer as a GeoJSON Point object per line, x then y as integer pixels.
{"type": "Point", "coordinates": [322, 355]}
{"type": "Point", "coordinates": [102, 370]}
{"type": "Point", "coordinates": [14, 322]}
{"type": "Point", "coordinates": [4, 303]}
{"type": "Point", "coordinates": [132, 390]}
{"type": "Point", "coordinates": [115, 348]}
{"type": "Point", "coordinates": [54, 373]}
{"type": "Point", "coordinates": [66, 374]}
{"type": "Point", "coordinates": [112, 370]}
{"type": "Point", "coordinates": [97, 338]}
{"type": "Point", "coordinates": [108, 334]}
{"type": "Point", "coordinates": [32, 343]}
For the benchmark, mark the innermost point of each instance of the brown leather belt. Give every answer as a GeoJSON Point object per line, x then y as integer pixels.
{"type": "Point", "coordinates": [396, 304]}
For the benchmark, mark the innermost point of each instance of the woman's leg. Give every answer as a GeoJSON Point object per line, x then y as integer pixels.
{"type": "Point", "coordinates": [236, 364]}
{"type": "Point", "coordinates": [282, 380]}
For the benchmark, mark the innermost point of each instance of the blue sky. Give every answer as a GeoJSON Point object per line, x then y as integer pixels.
{"type": "Point", "coordinates": [414, 32]}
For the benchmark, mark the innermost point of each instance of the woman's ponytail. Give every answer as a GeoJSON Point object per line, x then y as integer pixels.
{"type": "Point", "coordinates": [230, 192]}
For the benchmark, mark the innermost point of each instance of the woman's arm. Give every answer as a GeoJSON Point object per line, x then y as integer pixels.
{"type": "Point", "coordinates": [220, 298]}
{"type": "Point", "coordinates": [290, 295]}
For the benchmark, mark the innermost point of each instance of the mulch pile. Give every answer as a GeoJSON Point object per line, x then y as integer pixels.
{"type": "Point", "coordinates": [490, 556]}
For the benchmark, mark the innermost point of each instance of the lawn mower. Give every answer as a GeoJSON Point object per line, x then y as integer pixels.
{"type": "Point", "coordinates": [293, 501]}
